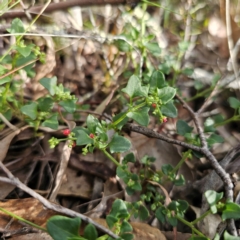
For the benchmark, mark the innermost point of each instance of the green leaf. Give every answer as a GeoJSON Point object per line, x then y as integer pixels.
{"type": "Point", "coordinates": [30, 110]}
{"type": "Point", "coordinates": [140, 116]}
{"type": "Point", "coordinates": [121, 173]}
{"type": "Point", "coordinates": [126, 236]}
{"type": "Point", "coordinates": [60, 227]}
{"type": "Point", "coordinates": [179, 181]}
{"type": "Point", "coordinates": [16, 26]}
{"type": "Point", "coordinates": [83, 138]}
{"type": "Point", "coordinates": [172, 220]}
{"type": "Point", "coordinates": [50, 84]}
{"type": "Point", "coordinates": [92, 123]}
{"type": "Point", "coordinates": [153, 48]}
{"type": "Point", "coordinates": [209, 125]}
{"type": "Point", "coordinates": [160, 214]}
{"type": "Point", "coordinates": [51, 122]}
{"type": "Point", "coordinates": [169, 110]}
{"type": "Point", "coordinates": [26, 50]}
{"type": "Point", "coordinates": [123, 46]}
{"type": "Point", "coordinates": [232, 210]}
{"type": "Point", "coordinates": [69, 105]}
{"type": "Point", "coordinates": [111, 220]}
{"type": "Point", "coordinates": [119, 209]}
{"type": "Point", "coordinates": [213, 198]}
{"type": "Point", "coordinates": [166, 94]}
{"type": "Point", "coordinates": [214, 138]}
{"type": "Point", "coordinates": [234, 102]}
{"type": "Point", "coordinates": [143, 213]}
{"type": "Point", "coordinates": [173, 206]}
{"type": "Point", "coordinates": [90, 232]}
{"type": "Point", "coordinates": [129, 158]}
{"type": "Point", "coordinates": [126, 227]}
{"type": "Point", "coordinates": [5, 80]}
{"type": "Point", "coordinates": [183, 205]}
{"type": "Point", "coordinates": [45, 104]}
{"type": "Point", "coordinates": [183, 128]}
{"type": "Point", "coordinates": [134, 88]}
{"type": "Point", "coordinates": [167, 168]}
{"type": "Point", "coordinates": [157, 80]}
{"type": "Point", "coordinates": [227, 236]}
{"type": "Point", "coordinates": [119, 144]}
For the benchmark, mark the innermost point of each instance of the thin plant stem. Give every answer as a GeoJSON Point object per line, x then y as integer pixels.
{"type": "Point", "coordinates": [22, 219]}
{"type": "Point", "coordinates": [111, 157]}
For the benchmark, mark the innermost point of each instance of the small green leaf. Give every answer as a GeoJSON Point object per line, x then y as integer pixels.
{"type": "Point", "coordinates": [166, 94]}
{"type": "Point", "coordinates": [213, 198]}
{"type": "Point", "coordinates": [234, 102]}
{"type": "Point", "coordinates": [172, 220]}
{"type": "Point", "coordinates": [119, 209]}
{"type": "Point", "coordinates": [169, 110]}
{"type": "Point", "coordinates": [30, 110]}
{"type": "Point", "coordinates": [157, 80]}
{"type": "Point", "coordinates": [60, 227]}
{"type": "Point", "coordinates": [69, 105]}
{"type": "Point", "coordinates": [121, 173]}
{"type": "Point", "coordinates": [183, 205]}
{"type": "Point", "coordinates": [45, 104]}
{"type": "Point", "coordinates": [160, 214]}
{"type": "Point", "coordinates": [5, 80]}
{"type": "Point", "coordinates": [16, 26]}
{"type": "Point", "coordinates": [134, 88]}
{"type": "Point", "coordinates": [126, 236]}
{"type": "Point", "coordinates": [50, 84]}
{"type": "Point", "coordinates": [227, 236]}
{"type": "Point", "coordinates": [183, 128]}
{"type": "Point", "coordinates": [26, 50]}
{"type": "Point", "coordinates": [180, 181]}
{"type": "Point", "coordinates": [126, 227]}
{"type": "Point", "coordinates": [167, 168]}
{"type": "Point", "coordinates": [232, 210]}
{"type": "Point", "coordinates": [83, 138]}
{"type": "Point", "coordinates": [140, 116]}
{"type": "Point", "coordinates": [129, 158]}
{"type": "Point", "coordinates": [119, 144]}
{"type": "Point", "coordinates": [92, 123]}
{"type": "Point", "coordinates": [173, 206]}
{"type": "Point", "coordinates": [214, 138]}
{"type": "Point", "coordinates": [123, 46]}
{"type": "Point", "coordinates": [153, 48]}
{"type": "Point", "coordinates": [143, 213]}
{"type": "Point", "coordinates": [111, 220]}
{"type": "Point", "coordinates": [123, 122]}
{"type": "Point", "coordinates": [51, 122]}
{"type": "Point", "coordinates": [90, 232]}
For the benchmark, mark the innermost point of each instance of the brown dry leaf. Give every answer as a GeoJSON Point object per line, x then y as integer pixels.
{"type": "Point", "coordinates": [76, 186]}
{"type": "Point", "coordinates": [28, 208]}
{"type": "Point", "coordinates": [4, 144]}
{"type": "Point", "coordinates": [32, 236]}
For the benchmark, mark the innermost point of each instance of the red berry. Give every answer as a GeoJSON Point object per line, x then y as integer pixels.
{"type": "Point", "coordinates": [165, 120]}
{"type": "Point", "coordinates": [154, 105]}
{"type": "Point", "coordinates": [66, 132]}
{"type": "Point", "coordinates": [91, 135]}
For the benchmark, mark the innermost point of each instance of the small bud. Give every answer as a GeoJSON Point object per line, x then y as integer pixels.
{"type": "Point", "coordinates": [66, 132]}
{"type": "Point", "coordinates": [74, 144]}
{"type": "Point", "coordinates": [91, 135]}
{"type": "Point", "coordinates": [154, 105]}
{"type": "Point", "coordinates": [164, 119]}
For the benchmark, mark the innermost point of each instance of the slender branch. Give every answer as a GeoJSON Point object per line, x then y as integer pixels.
{"type": "Point", "coordinates": [16, 182]}
{"type": "Point", "coordinates": [60, 6]}
{"type": "Point", "coordinates": [150, 133]}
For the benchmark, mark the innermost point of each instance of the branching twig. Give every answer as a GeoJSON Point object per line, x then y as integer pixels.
{"type": "Point", "coordinates": [228, 185]}
{"type": "Point", "coordinates": [16, 182]}
{"type": "Point", "coordinates": [60, 6]}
